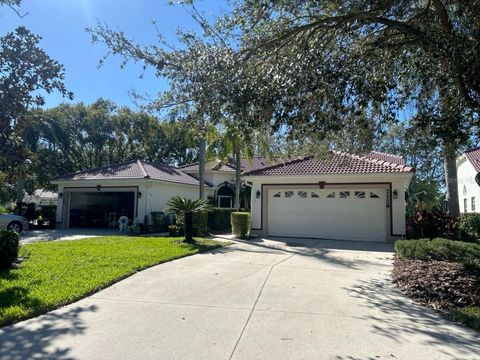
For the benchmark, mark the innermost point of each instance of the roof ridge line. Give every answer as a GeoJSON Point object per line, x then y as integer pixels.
{"type": "Point", "coordinates": [92, 169]}
{"type": "Point", "coordinates": [144, 171]}
{"type": "Point", "coordinates": [292, 161]}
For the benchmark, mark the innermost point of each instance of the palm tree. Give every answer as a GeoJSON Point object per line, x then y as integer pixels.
{"type": "Point", "coordinates": [187, 207]}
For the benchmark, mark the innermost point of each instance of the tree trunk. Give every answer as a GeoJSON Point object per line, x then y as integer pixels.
{"type": "Point", "coordinates": [20, 191]}
{"type": "Point", "coordinates": [201, 163]}
{"type": "Point", "coordinates": [189, 227]}
{"type": "Point", "coordinates": [238, 178]}
{"type": "Point", "coordinates": [451, 181]}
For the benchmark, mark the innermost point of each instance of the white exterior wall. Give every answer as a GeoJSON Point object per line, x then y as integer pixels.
{"type": "Point", "coordinates": [466, 178]}
{"type": "Point", "coordinates": [159, 193]}
{"type": "Point", "coordinates": [154, 194]}
{"type": "Point", "coordinates": [399, 183]}
{"type": "Point", "coordinates": [217, 177]}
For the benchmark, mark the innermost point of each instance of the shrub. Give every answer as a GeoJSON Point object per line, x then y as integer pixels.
{"type": "Point", "coordinates": [469, 316]}
{"type": "Point", "coordinates": [240, 224]}
{"type": "Point", "coordinates": [158, 221]}
{"type": "Point", "coordinates": [27, 210]}
{"type": "Point", "coordinates": [200, 223]}
{"type": "Point", "coordinates": [219, 219]}
{"type": "Point", "coordinates": [9, 246]}
{"type": "Point", "coordinates": [433, 224]}
{"type": "Point", "coordinates": [470, 226]}
{"type": "Point", "coordinates": [439, 250]}
{"type": "Point", "coordinates": [3, 210]}
{"type": "Point", "coordinates": [48, 211]}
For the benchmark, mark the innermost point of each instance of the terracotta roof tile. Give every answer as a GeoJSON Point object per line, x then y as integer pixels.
{"type": "Point", "coordinates": [337, 163]}
{"type": "Point", "coordinates": [473, 155]}
{"type": "Point", "coordinates": [385, 157]}
{"type": "Point", "coordinates": [257, 162]}
{"type": "Point", "coordinates": [133, 170]}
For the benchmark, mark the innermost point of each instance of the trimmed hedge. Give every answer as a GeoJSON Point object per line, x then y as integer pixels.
{"type": "Point", "coordinates": [158, 221]}
{"type": "Point", "coordinates": [240, 224]}
{"type": "Point", "coordinates": [200, 224]}
{"type": "Point", "coordinates": [440, 250]}
{"type": "Point", "coordinates": [219, 219]}
{"type": "Point", "coordinates": [9, 246]}
{"type": "Point", "coordinates": [470, 225]}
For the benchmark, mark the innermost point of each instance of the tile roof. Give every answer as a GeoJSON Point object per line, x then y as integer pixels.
{"type": "Point", "coordinates": [337, 163]}
{"type": "Point", "coordinates": [135, 169]}
{"type": "Point", "coordinates": [385, 157]}
{"type": "Point", "coordinates": [473, 155]}
{"type": "Point", "coordinates": [257, 162]}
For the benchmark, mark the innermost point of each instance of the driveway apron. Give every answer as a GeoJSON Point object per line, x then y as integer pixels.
{"type": "Point", "coordinates": [268, 299]}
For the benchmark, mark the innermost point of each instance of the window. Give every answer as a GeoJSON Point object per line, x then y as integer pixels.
{"type": "Point", "coordinates": [374, 196]}
{"type": "Point", "coordinates": [302, 194]}
{"type": "Point", "coordinates": [314, 195]}
{"type": "Point", "coordinates": [331, 196]}
{"type": "Point", "coordinates": [344, 194]}
{"type": "Point", "coordinates": [360, 194]}
{"type": "Point", "coordinates": [464, 190]}
{"type": "Point", "coordinates": [288, 194]}
{"type": "Point", "coordinates": [465, 205]}
{"type": "Point", "coordinates": [473, 204]}
{"type": "Point", "coordinates": [277, 194]}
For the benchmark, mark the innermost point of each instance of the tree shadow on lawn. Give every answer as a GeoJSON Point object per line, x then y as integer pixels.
{"type": "Point", "coordinates": [399, 318]}
{"type": "Point", "coordinates": [33, 338]}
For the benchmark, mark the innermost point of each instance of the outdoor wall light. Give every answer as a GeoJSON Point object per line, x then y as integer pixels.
{"type": "Point", "coordinates": [99, 187]}
{"type": "Point", "coordinates": [258, 194]}
{"type": "Point", "coordinates": [395, 194]}
{"type": "Point", "coordinates": [60, 195]}
{"type": "Point", "coordinates": [139, 195]}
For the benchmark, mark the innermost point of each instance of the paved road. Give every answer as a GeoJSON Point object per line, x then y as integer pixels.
{"type": "Point", "coordinates": [265, 300]}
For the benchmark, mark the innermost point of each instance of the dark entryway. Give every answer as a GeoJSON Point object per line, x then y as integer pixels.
{"type": "Point", "coordinates": [225, 196]}
{"type": "Point", "coordinates": [100, 209]}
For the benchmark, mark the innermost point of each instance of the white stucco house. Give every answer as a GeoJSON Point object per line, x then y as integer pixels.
{"type": "Point", "coordinates": [343, 196]}
{"type": "Point", "coordinates": [98, 197]}
{"type": "Point", "coordinates": [468, 176]}
{"type": "Point", "coordinates": [41, 197]}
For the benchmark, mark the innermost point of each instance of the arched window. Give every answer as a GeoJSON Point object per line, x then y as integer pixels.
{"type": "Point", "coordinates": [464, 190]}
{"type": "Point", "coordinates": [225, 196]}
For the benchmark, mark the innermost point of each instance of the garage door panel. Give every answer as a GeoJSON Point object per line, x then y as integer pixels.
{"type": "Point", "coordinates": [352, 214]}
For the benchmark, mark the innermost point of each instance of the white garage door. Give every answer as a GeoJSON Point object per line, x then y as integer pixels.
{"type": "Point", "coordinates": [358, 214]}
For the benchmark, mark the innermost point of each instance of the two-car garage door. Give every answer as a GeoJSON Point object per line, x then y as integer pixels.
{"type": "Point", "coordinates": [348, 214]}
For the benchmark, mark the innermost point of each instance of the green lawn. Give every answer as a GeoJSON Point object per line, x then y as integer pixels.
{"type": "Point", "coordinates": [57, 273]}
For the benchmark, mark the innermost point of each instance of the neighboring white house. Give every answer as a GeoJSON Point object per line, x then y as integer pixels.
{"type": "Point", "coordinates": [468, 170]}
{"type": "Point", "coordinates": [344, 196]}
{"type": "Point", "coordinates": [41, 197]}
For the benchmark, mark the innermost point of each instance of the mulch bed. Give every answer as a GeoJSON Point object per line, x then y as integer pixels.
{"type": "Point", "coordinates": [440, 285]}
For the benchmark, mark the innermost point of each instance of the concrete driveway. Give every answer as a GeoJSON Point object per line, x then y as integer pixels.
{"type": "Point", "coordinates": [262, 300]}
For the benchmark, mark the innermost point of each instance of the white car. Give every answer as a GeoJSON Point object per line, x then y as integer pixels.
{"type": "Point", "coordinates": [13, 222]}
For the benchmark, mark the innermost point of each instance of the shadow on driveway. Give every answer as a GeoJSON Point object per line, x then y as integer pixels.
{"type": "Point", "coordinates": [24, 339]}
{"type": "Point", "coordinates": [399, 318]}
{"type": "Point", "coordinates": [326, 251]}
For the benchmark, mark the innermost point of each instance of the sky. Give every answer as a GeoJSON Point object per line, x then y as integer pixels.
{"type": "Point", "coordinates": [62, 23]}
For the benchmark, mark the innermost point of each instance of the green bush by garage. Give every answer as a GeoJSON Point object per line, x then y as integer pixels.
{"type": "Point", "coordinates": [240, 224]}
{"type": "Point", "coordinates": [219, 220]}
